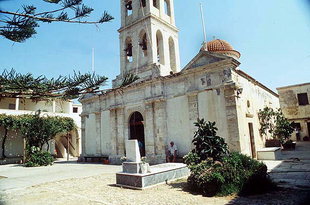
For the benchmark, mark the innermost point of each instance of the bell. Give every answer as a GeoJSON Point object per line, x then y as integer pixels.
{"type": "Point", "coordinates": [128, 4]}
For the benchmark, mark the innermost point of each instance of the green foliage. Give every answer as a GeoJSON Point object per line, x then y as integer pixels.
{"type": "Point", "coordinates": [207, 143]}
{"type": "Point", "coordinates": [15, 84]}
{"type": "Point", "coordinates": [274, 123]}
{"type": "Point", "coordinates": [129, 79]}
{"type": "Point", "coordinates": [37, 130]}
{"type": "Point", "coordinates": [237, 173]}
{"type": "Point", "coordinates": [215, 171]}
{"type": "Point", "coordinates": [37, 157]}
{"type": "Point", "coordinates": [21, 25]}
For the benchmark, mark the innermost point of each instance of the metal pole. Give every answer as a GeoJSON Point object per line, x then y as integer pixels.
{"type": "Point", "coordinates": [203, 23]}
{"type": "Point", "coordinates": [93, 60]}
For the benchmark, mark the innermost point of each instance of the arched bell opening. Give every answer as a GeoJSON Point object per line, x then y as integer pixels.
{"type": "Point", "coordinates": [136, 125]}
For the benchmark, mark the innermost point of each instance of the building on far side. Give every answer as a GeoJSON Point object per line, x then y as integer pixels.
{"type": "Point", "coordinates": [294, 102]}
{"type": "Point", "coordinates": [19, 106]}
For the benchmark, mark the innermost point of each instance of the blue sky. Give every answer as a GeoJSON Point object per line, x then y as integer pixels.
{"type": "Point", "coordinates": [273, 37]}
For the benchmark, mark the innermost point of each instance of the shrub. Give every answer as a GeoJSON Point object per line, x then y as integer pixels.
{"type": "Point", "coordinates": [207, 143]}
{"type": "Point", "coordinates": [236, 173]}
{"type": "Point", "coordinates": [215, 171]}
{"type": "Point", "coordinates": [37, 157]}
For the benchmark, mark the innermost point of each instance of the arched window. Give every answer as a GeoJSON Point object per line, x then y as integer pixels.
{"type": "Point", "coordinates": [160, 47]}
{"type": "Point", "coordinates": [128, 5]}
{"type": "Point", "coordinates": [143, 3]}
{"type": "Point", "coordinates": [128, 49]}
{"type": "Point", "coordinates": [167, 7]}
{"type": "Point", "coordinates": [172, 55]}
{"type": "Point", "coordinates": [143, 42]}
{"type": "Point", "coordinates": [156, 4]}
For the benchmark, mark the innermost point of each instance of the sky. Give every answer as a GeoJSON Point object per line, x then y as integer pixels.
{"type": "Point", "coordinates": [273, 37]}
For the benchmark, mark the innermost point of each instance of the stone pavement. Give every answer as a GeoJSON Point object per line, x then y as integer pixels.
{"type": "Point", "coordinates": [293, 171]}
{"type": "Point", "coordinates": [14, 177]}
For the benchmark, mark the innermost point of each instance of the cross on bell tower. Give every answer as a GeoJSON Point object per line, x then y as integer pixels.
{"type": "Point", "coordinates": [148, 38]}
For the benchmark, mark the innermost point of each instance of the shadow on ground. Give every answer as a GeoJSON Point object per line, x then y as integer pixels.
{"type": "Point", "coordinates": [281, 196]}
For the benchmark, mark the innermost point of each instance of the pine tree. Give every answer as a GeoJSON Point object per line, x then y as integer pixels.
{"type": "Point", "coordinates": [21, 25]}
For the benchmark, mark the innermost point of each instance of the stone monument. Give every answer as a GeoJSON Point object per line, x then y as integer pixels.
{"type": "Point", "coordinates": [139, 175]}
{"type": "Point", "coordinates": [133, 159]}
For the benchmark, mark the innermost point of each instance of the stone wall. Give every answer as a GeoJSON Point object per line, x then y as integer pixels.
{"type": "Point", "coordinates": [291, 108]}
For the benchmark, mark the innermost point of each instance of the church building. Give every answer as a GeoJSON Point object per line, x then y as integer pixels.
{"type": "Point", "coordinates": [166, 100]}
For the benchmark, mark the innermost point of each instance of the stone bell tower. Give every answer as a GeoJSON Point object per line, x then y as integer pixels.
{"type": "Point", "coordinates": [148, 39]}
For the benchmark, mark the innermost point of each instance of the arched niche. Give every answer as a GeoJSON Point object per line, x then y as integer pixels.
{"type": "Point", "coordinates": [136, 129]}
{"type": "Point", "coordinates": [172, 55]}
{"type": "Point", "coordinates": [160, 48]}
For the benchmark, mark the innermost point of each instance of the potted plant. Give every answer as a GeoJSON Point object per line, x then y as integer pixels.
{"type": "Point", "coordinates": [123, 159]}
{"type": "Point", "coordinates": [273, 122]}
{"type": "Point", "coordinates": [144, 166]}
{"type": "Point", "coordinates": [289, 144]}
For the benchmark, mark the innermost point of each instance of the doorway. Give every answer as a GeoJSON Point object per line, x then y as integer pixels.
{"type": "Point", "coordinates": [308, 125]}
{"type": "Point", "coordinates": [136, 124]}
{"type": "Point", "coordinates": [252, 140]}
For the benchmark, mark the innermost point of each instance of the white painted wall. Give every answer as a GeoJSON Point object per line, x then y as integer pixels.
{"type": "Point", "coordinates": [178, 124]}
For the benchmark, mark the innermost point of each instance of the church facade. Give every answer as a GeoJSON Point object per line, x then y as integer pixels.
{"type": "Point", "coordinates": [163, 104]}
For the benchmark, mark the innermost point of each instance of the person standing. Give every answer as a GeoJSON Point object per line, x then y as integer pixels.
{"type": "Point", "coordinates": [172, 152]}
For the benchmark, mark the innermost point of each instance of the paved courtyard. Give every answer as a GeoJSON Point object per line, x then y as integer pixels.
{"type": "Point", "coordinates": [293, 170]}
{"type": "Point", "coordinates": [76, 183]}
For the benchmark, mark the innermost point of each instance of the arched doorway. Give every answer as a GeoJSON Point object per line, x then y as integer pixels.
{"type": "Point", "coordinates": [137, 130]}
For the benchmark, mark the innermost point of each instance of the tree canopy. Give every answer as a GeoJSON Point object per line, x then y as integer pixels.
{"type": "Point", "coordinates": [17, 85]}
{"type": "Point", "coordinates": [21, 25]}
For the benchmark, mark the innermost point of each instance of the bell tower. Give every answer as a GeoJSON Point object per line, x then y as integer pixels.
{"type": "Point", "coordinates": [148, 39]}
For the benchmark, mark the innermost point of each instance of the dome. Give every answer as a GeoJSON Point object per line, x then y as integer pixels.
{"type": "Point", "coordinates": [220, 46]}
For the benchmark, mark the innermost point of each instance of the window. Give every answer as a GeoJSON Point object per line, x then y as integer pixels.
{"type": "Point", "coordinates": [12, 106]}
{"type": "Point", "coordinates": [296, 125]}
{"type": "Point", "coordinates": [75, 110]}
{"type": "Point", "coordinates": [167, 7]}
{"type": "Point", "coordinates": [303, 99]}
{"type": "Point", "coordinates": [143, 3]}
{"type": "Point", "coordinates": [155, 4]}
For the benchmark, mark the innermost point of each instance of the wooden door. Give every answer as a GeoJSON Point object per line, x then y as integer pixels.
{"type": "Point", "coordinates": [252, 140]}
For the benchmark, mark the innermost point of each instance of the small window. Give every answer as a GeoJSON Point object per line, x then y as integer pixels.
{"type": "Point", "coordinates": [143, 3]}
{"type": "Point", "coordinates": [248, 104]}
{"type": "Point", "coordinates": [296, 125]}
{"type": "Point", "coordinates": [75, 110]}
{"type": "Point", "coordinates": [12, 106]}
{"type": "Point", "coordinates": [303, 99]}
{"type": "Point", "coordinates": [167, 7]}
{"type": "Point", "coordinates": [155, 4]}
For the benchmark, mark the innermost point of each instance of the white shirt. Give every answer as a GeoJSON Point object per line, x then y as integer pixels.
{"type": "Point", "coordinates": [172, 149]}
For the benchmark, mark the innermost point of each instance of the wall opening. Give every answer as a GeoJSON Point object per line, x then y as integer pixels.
{"type": "Point", "coordinates": [143, 3]}
{"type": "Point", "coordinates": [128, 50]}
{"type": "Point", "coordinates": [172, 55]}
{"type": "Point", "coordinates": [160, 48]}
{"type": "Point", "coordinates": [167, 7]}
{"type": "Point", "coordinates": [252, 140]}
{"type": "Point", "coordinates": [128, 5]}
{"type": "Point", "coordinates": [136, 124]}
{"type": "Point", "coordinates": [156, 4]}
{"type": "Point", "coordinates": [143, 43]}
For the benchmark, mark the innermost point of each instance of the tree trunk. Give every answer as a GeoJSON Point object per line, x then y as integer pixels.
{"type": "Point", "coordinates": [3, 142]}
